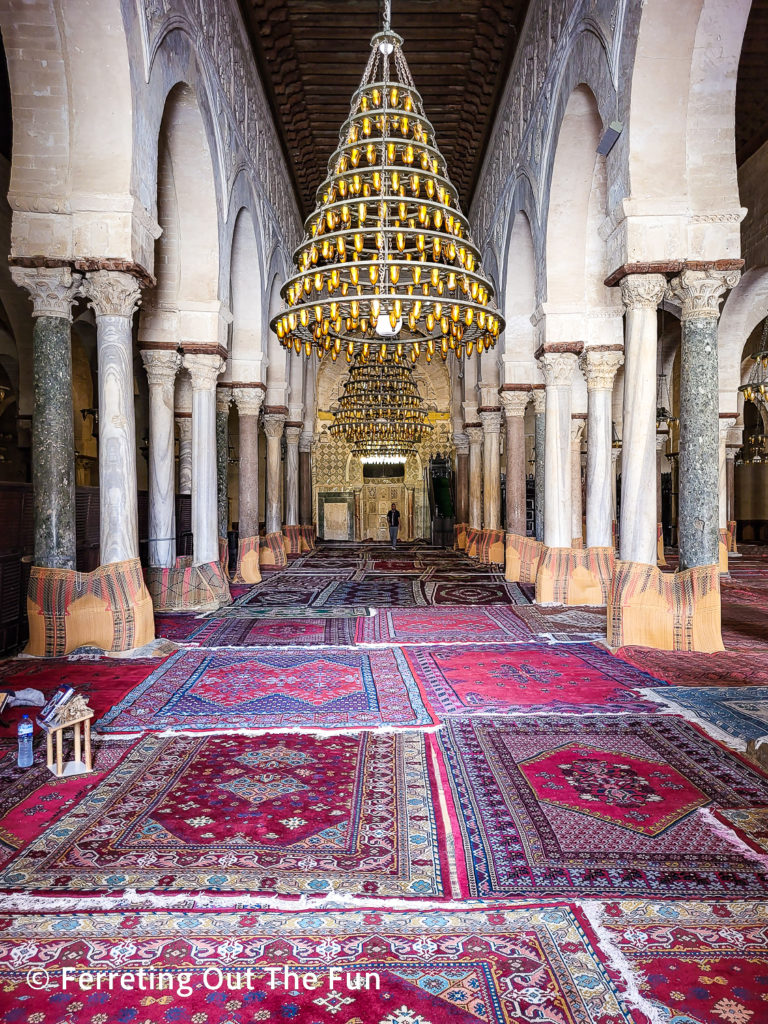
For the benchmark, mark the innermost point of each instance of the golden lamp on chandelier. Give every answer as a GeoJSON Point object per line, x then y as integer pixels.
{"type": "Point", "coordinates": [387, 267]}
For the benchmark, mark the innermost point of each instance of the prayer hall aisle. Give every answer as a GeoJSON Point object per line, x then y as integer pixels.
{"type": "Point", "coordinates": [392, 762]}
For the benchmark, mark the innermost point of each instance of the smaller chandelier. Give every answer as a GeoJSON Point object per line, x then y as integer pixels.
{"type": "Point", "coordinates": [380, 405]}
{"type": "Point", "coordinates": [756, 388]}
{"type": "Point", "coordinates": [384, 459]}
{"type": "Point", "coordinates": [664, 414]}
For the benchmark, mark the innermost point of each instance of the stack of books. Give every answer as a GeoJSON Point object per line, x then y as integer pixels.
{"type": "Point", "coordinates": [49, 714]}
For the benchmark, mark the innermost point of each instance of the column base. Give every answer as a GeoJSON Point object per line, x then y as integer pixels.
{"type": "Point", "coordinates": [460, 537]}
{"type": "Point", "coordinates": [247, 570]}
{"type": "Point", "coordinates": [109, 608]}
{"type": "Point", "coordinates": [272, 551]}
{"type": "Point", "coordinates": [660, 559]}
{"type": "Point", "coordinates": [577, 543]}
{"type": "Point", "coordinates": [198, 588]}
{"type": "Point", "coordinates": [574, 576]}
{"type": "Point", "coordinates": [732, 549]}
{"type": "Point", "coordinates": [522, 558]}
{"type": "Point", "coordinates": [292, 540]}
{"type": "Point", "coordinates": [487, 546]}
{"type": "Point", "coordinates": [722, 552]}
{"type": "Point", "coordinates": [667, 611]}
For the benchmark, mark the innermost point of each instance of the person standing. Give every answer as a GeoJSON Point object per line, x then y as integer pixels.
{"type": "Point", "coordinates": [393, 519]}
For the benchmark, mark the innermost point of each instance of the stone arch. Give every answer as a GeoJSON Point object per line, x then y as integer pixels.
{"type": "Point", "coordinates": [246, 300]}
{"type": "Point", "coordinates": [745, 307]}
{"type": "Point", "coordinates": [681, 153]}
{"type": "Point", "coordinates": [277, 365]}
{"type": "Point", "coordinates": [577, 189]}
{"type": "Point", "coordinates": [519, 303]}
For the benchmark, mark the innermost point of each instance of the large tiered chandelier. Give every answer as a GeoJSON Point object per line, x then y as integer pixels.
{"type": "Point", "coordinates": [756, 388]}
{"type": "Point", "coordinates": [387, 268]}
{"type": "Point", "coordinates": [380, 412]}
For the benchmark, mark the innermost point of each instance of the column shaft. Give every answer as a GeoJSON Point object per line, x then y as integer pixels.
{"type": "Point", "coordinates": [577, 501]}
{"type": "Point", "coordinates": [599, 366]}
{"type": "Point", "coordinates": [184, 423]}
{"type": "Point", "coordinates": [292, 435]}
{"type": "Point", "coordinates": [461, 444]}
{"type": "Point", "coordinates": [475, 434]}
{"type": "Point", "coordinates": [641, 294]}
{"type": "Point", "coordinates": [273, 427]}
{"type": "Point", "coordinates": [161, 367]}
{"type": "Point", "coordinates": [223, 399]}
{"type": "Point", "coordinates": [726, 422]}
{"type": "Point", "coordinates": [558, 367]}
{"type": "Point", "coordinates": [114, 296]}
{"type": "Point", "coordinates": [540, 428]}
{"type": "Point", "coordinates": [515, 403]}
{"type": "Point", "coordinates": [699, 509]}
{"type": "Point", "coordinates": [249, 401]}
{"type": "Point", "coordinates": [204, 369]}
{"type": "Point", "coordinates": [491, 420]}
{"type": "Point", "coordinates": [305, 480]}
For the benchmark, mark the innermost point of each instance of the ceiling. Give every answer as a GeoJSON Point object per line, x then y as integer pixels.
{"type": "Point", "coordinates": [312, 53]}
{"type": "Point", "coordinates": [752, 84]}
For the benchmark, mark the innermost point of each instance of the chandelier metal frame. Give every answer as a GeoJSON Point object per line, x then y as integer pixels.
{"type": "Point", "coordinates": [756, 388]}
{"type": "Point", "coordinates": [387, 268]}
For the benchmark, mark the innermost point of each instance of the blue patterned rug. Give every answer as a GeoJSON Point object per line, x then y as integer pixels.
{"type": "Point", "coordinates": [740, 711]}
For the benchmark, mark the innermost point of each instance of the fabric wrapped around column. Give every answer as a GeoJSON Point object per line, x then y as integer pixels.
{"type": "Point", "coordinates": [460, 537]}
{"type": "Point", "coordinates": [109, 608]}
{"type": "Point", "coordinates": [722, 551]}
{"type": "Point", "coordinates": [660, 559]}
{"type": "Point", "coordinates": [489, 547]}
{"type": "Point", "coordinates": [247, 570]}
{"type": "Point", "coordinates": [668, 611]}
{"type": "Point", "coordinates": [574, 576]}
{"type": "Point", "coordinates": [308, 537]}
{"type": "Point", "coordinates": [272, 551]}
{"type": "Point", "coordinates": [201, 588]}
{"type": "Point", "coordinates": [522, 558]}
{"type": "Point", "coordinates": [732, 537]}
{"type": "Point", "coordinates": [292, 540]}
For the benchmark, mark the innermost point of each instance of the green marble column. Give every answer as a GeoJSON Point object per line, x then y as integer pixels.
{"type": "Point", "coordinates": [223, 398]}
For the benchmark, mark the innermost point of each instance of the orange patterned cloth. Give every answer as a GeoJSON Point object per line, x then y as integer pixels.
{"type": "Point", "coordinates": [308, 537]}
{"type": "Point", "coordinates": [472, 549]}
{"type": "Point", "coordinates": [224, 556]}
{"type": "Point", "coordinates": [460, 536]}
{"type": "Point", "coordinates": [574, 575]}
{"type": "Point", "coordinates": [490, 547]}
{"type": "Point", "coordinates": [660, 559]}
{"type": "Point", "coordinates": [669, 611]}
{"type": "Point", "coordinates": [522, 558]}
{"type": "Point", "coordinates": [199, 587]}
{"type": "Point", "coordinates": [732, 536]}
{"type": "Point", "coordinates": [723, 548]}
{"type": "Point", "coordinates": [292, 540]}
{"type": "Point", "coordinates": [272, 550]}
{"type": "Point", "coordinates": [109, 608]}
{"type": "Point", "coordinates": [247, 570]}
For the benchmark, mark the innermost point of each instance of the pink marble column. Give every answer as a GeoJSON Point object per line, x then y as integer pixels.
{"type": "Point", "coordinates": [514, 399]}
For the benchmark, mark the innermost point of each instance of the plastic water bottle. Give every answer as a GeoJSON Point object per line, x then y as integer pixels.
{"type": "Point", "coordinates": [26, 756]}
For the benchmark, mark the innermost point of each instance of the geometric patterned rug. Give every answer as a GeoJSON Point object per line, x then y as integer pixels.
{"type": "Point", "coordinates": [284, 813]}
{"type": "Point", "coordinates": [685, 668]}
{"type": "Point", "coordinates": [749, 824]}
{"type": "Point", "coordinates": [465, 967]}
{"type": "Point", "coordinates": [564, 624]}
{"type": "Point", "coordinates": [598, 807]}
{"type": "Point", "coordinates": [578, 679]}
{"type": "Point", "coordinates": [700, 963]}
{"type": "Point", "coordinates": [741, 711]}
{"type": "Point", "coordinates": [327, 688]}
{"type": "Point", "coordinates": [492, 624]}
{"type": "Point", "coordinates": [249, 632]}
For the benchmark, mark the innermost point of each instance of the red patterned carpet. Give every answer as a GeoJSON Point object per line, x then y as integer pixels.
{"type": "Point", "coordinates": [390, 762]}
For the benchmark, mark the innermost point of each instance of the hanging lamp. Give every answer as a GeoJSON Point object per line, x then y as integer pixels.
{"type": "Point", "coordinates": [387, 267]}
{"type": "Point", "coordinates": [756, 388]}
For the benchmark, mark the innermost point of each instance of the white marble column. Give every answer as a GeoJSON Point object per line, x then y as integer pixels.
{"type": "Point", "coordinates": [730, 480]}
{"type": "Point", "coordinates": [249, 401]}
{"type": "Point", "coordinates": [461, 444]}
{"type": "Point", "coordinates": [475, 434]}
{"type": "Point", "coordinates": [641, 294]}
{"type": "Point", "coordinates": [305, 477]}
{"type": "Point", "coordinates": [204, 369]}
{"type": "Point", "coordinates": [515, 402]}
{"type": "Point", "coordinates": [273, 428]}
{"type": "Point", "coordinates": [578, 423]}
{"type": "Point", "coordinates": [726, 422]}
{"type": "Point", "coordinates": [557, 367]}
{"type": "Point", "coordinates": [114, 296]}
{"type": "Point", "coordinates": [184, 423]}
{"type": "Point", "coordinates": [662, 437]}
{"type": "Point", "coordinates": [540, 428]}
{"type": "Point", "coordinates": [599, 366]}
{"type": "Point", "coordinates": [615, 456]}
{"type": "Point", "coordinates": [292, 436]}
{"type": "Point", "coordinates": [491, 420]}
{"type": "Point", "coordinates": [700, 293]}
{"type": "Point", "coordinates": [162, 366]}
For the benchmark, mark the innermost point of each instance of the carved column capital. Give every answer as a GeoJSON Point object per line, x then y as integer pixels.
{"type": "Point", "coordinates": [643, 291]}
{"type": "Point", "coordinates": [515, 402]}
{"type": "Point", "coordinates": [223, 398]}
{"type": "Point", "coordinates": [293, 434]}
{"type": "Point", "coordinates": [539, 401]}
{"type": "Point", "coordinates": [51, 289]}
{"type": "Point", "coordinates": [491, 420]}
{"type": "Point", "coordinates": [599, 368]}
{"type": "Point", "coordinates": [112, 293]}
{"type": "Point", "coordinates": [700, 292]}
{"type": "Point", "coordinates": [661, 440]}
{"type": "Point", "coordinates": [204, 369]}
{"type": "Point", "coordinates": [557, 368]}
{"type": "Point", "coordinates": [306, 441]}
{"type": "Point", "coordinates": [726, 424]}
{"type": "Point", "coordinates": [184, 424]}
{"type": "Point", "coordinates": [461, 443]}
{"type": "Point", "coordinates": [273, 424]}
{"type": "Point", "coordinates": [474, 433]}
{"type": "Point", "coordinates": [248, 400]}
{"type": "Point", "coordinates": [161, 365]}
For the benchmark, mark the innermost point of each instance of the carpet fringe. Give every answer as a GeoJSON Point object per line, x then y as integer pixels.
{"type": "Point", "coordinates": [595, 914]}
{"type": "Point", "coordinates": [296, 730]}
{"type": "Point", "coordinates": [728, 834]}
{"type": "Point", "coordinates": [713, 731]}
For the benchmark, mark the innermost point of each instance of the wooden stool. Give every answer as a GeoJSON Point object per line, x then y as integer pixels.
{"type": "Point", "coordinates": [82, 716]}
